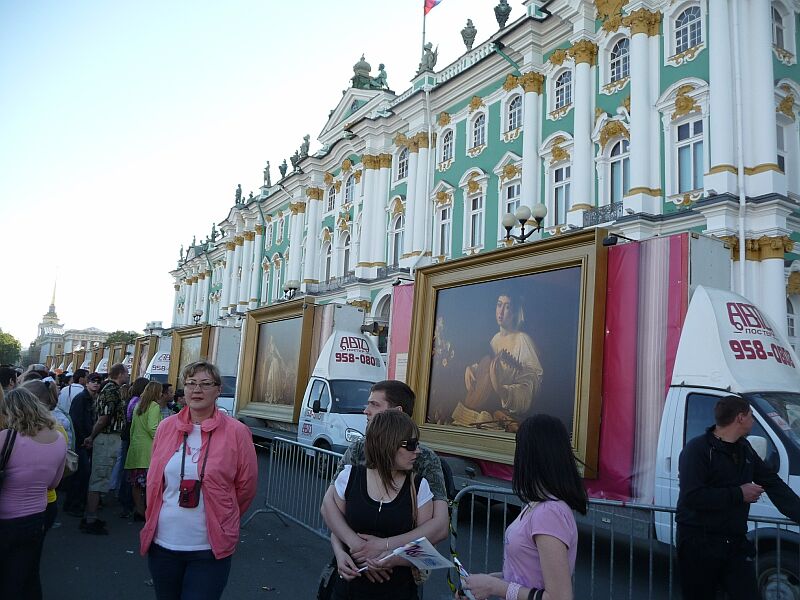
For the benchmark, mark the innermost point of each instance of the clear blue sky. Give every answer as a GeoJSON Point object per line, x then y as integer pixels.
{"type": "Point", "coordinates": [125, 128]}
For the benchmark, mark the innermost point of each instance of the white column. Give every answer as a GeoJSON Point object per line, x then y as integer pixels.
{"type": "Point", "coordinates": [247, 265]}
{"type": "Point", "coordinates": [759, 86]}
{"type": "Point", "coordinates": [175, 305]}
{"type": "Point", "coordinates": [378, 226]}
{"type": "Point", "coordinates": [531, 118]}
{"type": "Point", "coordinates": [641, 197]}
{"type": "Point", "coordinates": [206, 305]}
{"type": "Point", "coordinates": [233, 301]}
{"type": "Point", "coordinates": [411, 194]}
{"type": "Point", "coordinates": [296, 242]}
{"type": "Point", "coordinates": [722, 170]}
{"type": "Point", "coordinates": [773, 282]}
{"type": "Point", "coordinates": [257, 272]}
{"type": "Point", "coordinates": [226, 279]}
{"type": "Point", "coordinates": [189, 306]}
{"type": "Point", "coordinates": [585, 54]}
{"type": "Point", "coordinates": [314, 196]}
{"type": "Point", "coordinates": [422, 196]}
{"type": "Point", "coordinates": [367, 209]}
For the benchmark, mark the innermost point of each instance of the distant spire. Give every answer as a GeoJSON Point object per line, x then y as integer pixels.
{"type": "Point", "coordinates": [53, 301]}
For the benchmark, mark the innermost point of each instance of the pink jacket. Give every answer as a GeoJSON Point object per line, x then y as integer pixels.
{"type": "Point", "coordinates": [229, 485]}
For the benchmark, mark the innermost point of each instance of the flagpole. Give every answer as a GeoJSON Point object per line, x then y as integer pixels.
{"type": "Point", "coordinates": [424, 18]}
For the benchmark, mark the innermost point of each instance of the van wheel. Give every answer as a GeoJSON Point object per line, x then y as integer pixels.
{"type": "Point", "coordinates": [775, 585]}
{"type": "Point", "coordinates": [323, 464]}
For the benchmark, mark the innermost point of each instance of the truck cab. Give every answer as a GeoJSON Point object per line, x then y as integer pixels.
{"type": "Point", "coordinates": [728, 346]}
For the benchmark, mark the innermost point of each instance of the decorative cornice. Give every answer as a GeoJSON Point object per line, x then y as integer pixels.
{"type": "Point", "coordinates": [347, 164]}
{"type": "Point", "coordinates": [412, 144]}
{"type": "Point", "coordinates": [510, 83]}
{"type": "Point", "coordinates": [315, 193]}
{"type": "Point", "coordinates": [249, 235]}
{"type": "Point", "coordinates": [297, 208]}
{"type": "Point", "coordinates": [443, 197]}
{"type": "Point", "coordinates": [400, 140]}
{"type": "Point", "coordinates": [558, 57]}
{"type": "Point", "coordinates": [684, 104]}
{"type": "Point", "coordinates": [774, 247]}
{"type": "Point", "coordinates": [443, 119]}
{"type": "Point", "coordinates": [612, 129]}
{"type": "Point", "coordinates": [230, 245]}
{"type": "Point", "coordinates": [238, 240]}
{"type": "Point", "coordinates": [370, 161]}
{"type": "Point", "coordinates": [510, 171]}
{"type": "Point", "coordinates": [584, 51]}
{"type": "Point", "coordinates": [532, 82]}
{"type": "Point", "coordinates": [259, 229]}
{"type": "Point", "coordinates": [385, 161]}
{"type": "Point", "coordinates": [643, 21]}
{"type": "Point", "coordinates": [762, 168]}
{"type": "Point", "coordinates": [472, 185]}
{"type": "Point", "coordinates": [475, 104]}
{"type": "Point", "coordinates": [558, 154]}
{"type": "Point", "coordinates": [422, 139]}
{"type": "Point", "coordinates": [655, 192]}
{"type": "Point", "coordinates": [723, 169]}
{"type": "Point", "coordinates": [786, 106]}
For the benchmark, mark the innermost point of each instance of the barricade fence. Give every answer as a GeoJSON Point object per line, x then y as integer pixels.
{"type": "Point", "coordinates": [618, 554]}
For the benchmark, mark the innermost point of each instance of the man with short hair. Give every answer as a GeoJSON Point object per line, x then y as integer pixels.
{"type": "Point", "coordinates": [388, 395]}
{"type": "Point", "coordinates": [166, 398]}
{"type": "Point", "coordinates": [72, 389]}
{"type": "Point", "coordinates": [81, 412]}
{"type": "Point", "coordinates": [8, 378]}
{"type": "Point", "coordinates": [720, 477]}
{"type": "Point", "coordinates": [105, 442]}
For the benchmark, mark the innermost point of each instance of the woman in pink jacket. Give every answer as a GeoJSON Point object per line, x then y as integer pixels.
{"type": "Point", "coordinates": [203, 475]}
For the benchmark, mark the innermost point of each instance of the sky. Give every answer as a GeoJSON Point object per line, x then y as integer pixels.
{"type": "Point", "coordinates": [125, 128]}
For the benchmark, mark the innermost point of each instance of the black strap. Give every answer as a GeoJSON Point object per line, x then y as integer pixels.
{"type": "Point", "coordinates": [205, 460]}
{"type": "Point", "coordinates": [8, 446]}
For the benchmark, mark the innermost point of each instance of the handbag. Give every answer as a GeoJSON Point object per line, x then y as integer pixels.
{"type": "Point", "coordinates": [420, 575]}
{"type": "Point", "coordinates": [5, 454]}
{"type": "Point", "coordinates": [70, 463]}
{"type": "Point", "coordinates": [327, 581]}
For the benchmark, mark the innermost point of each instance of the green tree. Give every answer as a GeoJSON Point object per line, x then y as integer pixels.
{"type": "Point", "coordinates": [122, 336]}
{"type": "Point", "coordinates": [9, 348]}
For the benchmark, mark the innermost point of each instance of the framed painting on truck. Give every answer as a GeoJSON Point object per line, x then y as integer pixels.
{"type": "Point", "coordinates": [276, 355]}
{"type": "Point", "coordinates": [143, 351]}
{"type": "Point", "coordinates": [502, 335]}
{"type": "Point", "coordinates": [189, 344]}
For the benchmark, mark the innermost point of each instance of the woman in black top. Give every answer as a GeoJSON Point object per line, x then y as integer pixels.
{"type": "Point", "coordinates": [382, 499]}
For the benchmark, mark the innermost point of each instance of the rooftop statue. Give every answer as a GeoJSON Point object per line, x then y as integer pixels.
{"type": "Point", "coordinates": [304, 146]}
{"type": "Point", "coordinates": [214, 232]}
{"type": "Point", "coordinates": [468, 34]}
{"type": "Point", "coordinates": [361, 79]}
{"type": "Point", "coordinates": [239, 194]}
{"type": "Point", "coordinates": [181, 251]}
{"type": "Point", "coordinates": [267, 176]}
{"type": "Point", "coordinates": [379, 82]}
{"type": "Point", "coordinates": [250, 197]}
{"type": "Point", "coordinates": [282, 168]}
{"type": "Point", "coordinates": [429, 58]}
{"type": "Point", "coordinates": [501, 12]}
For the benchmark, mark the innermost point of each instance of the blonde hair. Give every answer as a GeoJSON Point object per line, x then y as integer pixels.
{"type": "Point", "coordinates": [151, 393]}
{"type": "Point", "coordinates": [22, 411]}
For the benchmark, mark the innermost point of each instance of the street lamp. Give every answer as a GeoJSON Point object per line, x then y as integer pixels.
{"type": "Point", "coordinates": [523, 214]}
{"type": "Point", "coordinates": [290, 288]}
{"type": "Point", "coordinates": [196, 315]}
{"type": "Point", "coordinates": [612, 238]}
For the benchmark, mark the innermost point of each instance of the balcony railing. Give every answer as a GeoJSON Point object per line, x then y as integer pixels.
{"type": "Point", "coordinates": [603, 214]}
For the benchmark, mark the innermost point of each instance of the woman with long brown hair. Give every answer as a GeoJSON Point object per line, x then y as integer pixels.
{"type": "Point", "coordinates": [146, 417]}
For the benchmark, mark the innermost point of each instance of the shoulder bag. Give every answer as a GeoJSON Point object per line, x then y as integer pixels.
{"type": "Point", "coordinates": [5, 454]}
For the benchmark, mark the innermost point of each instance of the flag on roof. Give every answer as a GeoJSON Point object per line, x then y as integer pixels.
{"type": "Point", "coordinates": [429, 4]}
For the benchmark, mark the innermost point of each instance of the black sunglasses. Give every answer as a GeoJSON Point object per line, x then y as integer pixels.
{"type": "Point", "coordinates": [410, 445]}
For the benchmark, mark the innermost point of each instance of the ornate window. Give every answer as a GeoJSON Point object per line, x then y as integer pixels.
{"type": "Point", "coordinates": [690, 156]}
{"type": "Point", "coordinates": [345, 253]}
{"type": "Point", "coordinates": [349, 189]}
{"type": "Point", "coordinates": [511, 195]}
{"type": "Point", "coordinates": [514, 114]}
{"type": "Point", "coordinates": [563, 90]}
{"type": "Point", "coordinates": [479, 131]}
{"type": "Point", "coordinates": [620, 60]}
{"type": "Point", "coordinates": [268, 235]}
{"type": "Point", "coordinates": [402, 164]}
{"type": "Point", "coordinates": [396, 239]}
{"type": "Point", "coordinates": [688, 29]}
{"type": "Point", "coordinates": [325, 267]}
{"type": "Point", "coordinates": [279, 233]}
{"type": "Point", "coordinates": [620, 179]}
{"type": "Point", "coordinates": [265, 286]}
{"type": "Point", "coordinates": [447, 146]}
{"type": "Point", "coordinates": [778, 33]}
{"type": "Point", "coordinates": [791, 325]}
{"type": "Point", "coordinates": [561, 193]}
{"type": "Point", "coordinates": [781, 147]}
{"type": "Point", "coordinates": [276, 281]}
{"type": "Point", "coordinates": [330, 202]}
{"type": "Point", "coordinates": [444, 222]}
{"type": "Point", "coordinates": [474, 221]}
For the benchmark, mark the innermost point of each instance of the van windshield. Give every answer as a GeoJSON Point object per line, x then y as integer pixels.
{"type": "Point", "coordinates": [783, 410]}
{"type": "Point", "coordinates": [349, 397]}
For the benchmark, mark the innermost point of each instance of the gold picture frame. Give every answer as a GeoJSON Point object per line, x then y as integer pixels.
{"type": "Point", "coordinates": [144, 349]}
{"type": "Point", "coordinates": [78, 356]}
{"type": "Point", "coordinates": [116, 353]}
{"type": "Point", "coordinates": [189, 344]}
{"type": "Point", "coordinates": [97, 356]}
{"type": "Point", "coordinates": [296, 316]}
{"type": "Point", "coordinates": [564, 278]}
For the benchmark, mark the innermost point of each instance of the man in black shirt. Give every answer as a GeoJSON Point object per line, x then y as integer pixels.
{"type": "Point", "coordinates": [81, 412]}
{"type": "Point", "coordinates": [720, 476]}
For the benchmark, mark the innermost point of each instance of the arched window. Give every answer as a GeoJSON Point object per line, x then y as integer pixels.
{"type": "Point", "coordinates": [777, 29]}
{"type": "Point", "coordinates": [790, 325]}
{"type": "Point", "coordinates": [345, 254]}
{"type": "Point", "coordinates": [620, 60]}
{"type": "Point", "coordinates": [444, 220]}
{"type": "Point", "coordinates": [350, 189]}
{"type": "Point", "coordinates": [620, 171]}
{"type": "Point", "coordinates": [331, 199]}
{"type": "Point", "coordinates": [277, 291]}
{"type": "Point", "coordinates": [325, 271]}
{"type": "Point", "coordinates": [479, 131]}
{"type": "Point", "coordinates": [396, 239]}
{"type": "Point", "coordinates": [563, 89]}
{"type": "Point", "coordinates": [447, 146]}
{"type": "Point", "coordinates": [514, 114]}
{"type": "Point", "coordinates": [402, 164]}
{"type": "Point", "coordinates": [688, 29]}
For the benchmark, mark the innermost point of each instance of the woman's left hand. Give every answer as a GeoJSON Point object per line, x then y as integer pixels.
{"type": "Point", "coordinates": [483, 586]}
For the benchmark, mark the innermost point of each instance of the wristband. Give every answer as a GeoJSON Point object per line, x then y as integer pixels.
{"type": "Point", "coordinates": [512, 591]}
{"type": "Point", "coordinates": [535, 594]}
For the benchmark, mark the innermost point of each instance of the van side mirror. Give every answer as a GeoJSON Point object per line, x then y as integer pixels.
{"type": "Point", "coordinates": [316, 407]}
{"type": "Point", "coordinates": [759, 444]}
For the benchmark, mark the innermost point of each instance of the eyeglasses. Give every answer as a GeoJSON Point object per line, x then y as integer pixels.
{"type": "Point", "coordinates": [94, 381]}
{"type": "Point", "coordinates": [203, 385]}
{"type": "Point", "coordinates": [410, 445]}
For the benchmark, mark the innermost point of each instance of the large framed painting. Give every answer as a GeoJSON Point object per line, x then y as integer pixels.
{"type": "Point", "coordinates": [499, 336]}
{"type": "Point", "coordinates": [189, 344]}
{"type": "Point", "coordinates": [97, 356]}
{"type": "Point", "coordinates": [277, 355]}
{"type": "Point", "coordinates": [144, 348]}
{"type": "Point", "coordinates": [78, 357]}
{"type": "Point", "coordinates": [117, 354]}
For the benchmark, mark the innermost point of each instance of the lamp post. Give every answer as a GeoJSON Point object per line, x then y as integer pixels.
{"type": "Point", "coordinates": [522, 215]}
{"type": "Point", "coordinates": [196, 315]}
{"type": "Point", "coordinates": [290, 289]}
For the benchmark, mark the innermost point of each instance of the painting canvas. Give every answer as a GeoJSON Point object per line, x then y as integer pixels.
{"type": "Point", "coordinates": [277, 360]}
{"type": "Point", "coordinates": [190, 352]}
{"type": "Point", "coordinates": [505, 349]}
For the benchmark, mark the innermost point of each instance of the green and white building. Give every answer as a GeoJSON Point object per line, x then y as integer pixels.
{"type": "Point", "coordinates": [646, 117]}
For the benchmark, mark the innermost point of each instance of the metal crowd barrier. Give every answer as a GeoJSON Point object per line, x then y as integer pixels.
{"type": "Point", "coordinates": [298, 475]}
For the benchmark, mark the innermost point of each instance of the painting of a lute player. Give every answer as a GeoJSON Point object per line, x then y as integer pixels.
{"type": "Point", "coordinates": [502, 385]}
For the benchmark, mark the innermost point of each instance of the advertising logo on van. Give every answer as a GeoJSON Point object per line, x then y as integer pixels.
{"type": "Point", "coordinates": [746, 318]}
{"type": "Point", "coordinates": [353, 343]}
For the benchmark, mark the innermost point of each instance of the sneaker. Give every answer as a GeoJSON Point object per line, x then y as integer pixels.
{"type": "Point", "coordinates": [83, 524]}
{"type": "Point", "coordinates": [95, 528]}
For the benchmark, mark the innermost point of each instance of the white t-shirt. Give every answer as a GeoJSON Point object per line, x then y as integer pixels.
{"type": "Point", "coordinates": [66, 395]}
{"type": "Point", "coordinates": [424, 494]}
{"type": "Point", "coordinates": [183, 528]}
